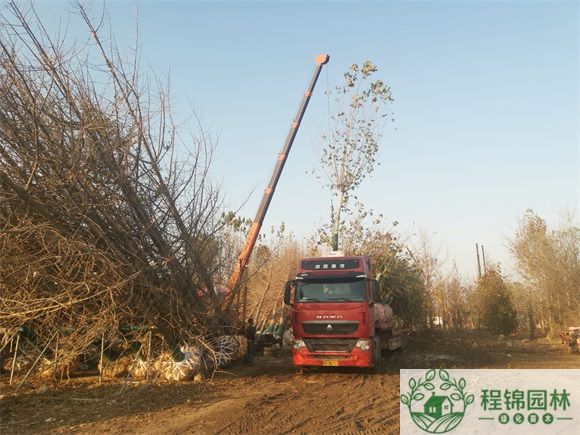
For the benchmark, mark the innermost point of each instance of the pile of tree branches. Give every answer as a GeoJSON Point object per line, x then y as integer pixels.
{"type": "Point", "coordinates": [103, 220]}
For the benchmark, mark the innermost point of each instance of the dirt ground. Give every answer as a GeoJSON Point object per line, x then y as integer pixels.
{"type": "Point", "coordinates": [267, 397]}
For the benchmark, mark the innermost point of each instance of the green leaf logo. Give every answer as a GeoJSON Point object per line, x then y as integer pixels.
{"type": "Point", "coordinates": [437, 405]}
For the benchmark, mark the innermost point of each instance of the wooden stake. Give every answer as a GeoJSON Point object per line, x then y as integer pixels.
{"type": "Point", "coordinates": [245, 305]}
{"type": "Point", "coordinates": [102, 362]}
{"type": "Point", "coordinates": [35, 362]}
{"type": "Point", "coordinates": [9, 342]}
{"type": "Point", "coordinates": [56, 358]}
{"type": "Point", "coordinates": [14, 358]}
{"type": "Point", "coordinates": [238, 306]}
{"type": "Point", "coordinates": [148, 355]}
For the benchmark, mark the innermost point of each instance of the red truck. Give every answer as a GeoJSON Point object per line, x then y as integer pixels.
{"type": "Point", "coordinates": [336, 315]}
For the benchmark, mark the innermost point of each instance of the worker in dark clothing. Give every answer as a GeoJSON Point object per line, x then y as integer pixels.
{"type": "Point", "coordinates": [251, 337]}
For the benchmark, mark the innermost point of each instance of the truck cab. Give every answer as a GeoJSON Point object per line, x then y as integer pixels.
{"type": "Point", "coordinates": [334, 313]}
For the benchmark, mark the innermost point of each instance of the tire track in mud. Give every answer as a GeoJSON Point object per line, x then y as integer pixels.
{"type": "Point", "coordinates": [322, 402]}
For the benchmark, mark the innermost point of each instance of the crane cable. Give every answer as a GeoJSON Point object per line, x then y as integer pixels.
{"type": "Point", "coordinates": [328, 104]}
{"type": "Point", "coordinates": [330, 137]}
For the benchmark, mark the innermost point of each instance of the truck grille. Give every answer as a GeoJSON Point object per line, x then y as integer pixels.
{"type": "Point", "coordinates": [330, 344]}
{"type": "Point", "coordinates": [333, 327]}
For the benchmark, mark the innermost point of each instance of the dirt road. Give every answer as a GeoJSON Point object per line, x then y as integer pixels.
{"type": "Point", "coordinates": [268, 397]}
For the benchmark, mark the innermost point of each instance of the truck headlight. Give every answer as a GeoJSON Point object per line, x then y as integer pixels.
{"type": "Point", "coordinates": [363, 345]}
{"type": "Point", "coordinates": [299, 344]}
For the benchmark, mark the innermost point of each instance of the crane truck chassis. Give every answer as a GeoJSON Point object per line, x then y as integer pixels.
{"type": "Point", "coordinates": [336, 315]}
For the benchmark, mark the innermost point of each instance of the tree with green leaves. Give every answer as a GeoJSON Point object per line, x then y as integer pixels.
{"type": "Point", "coordinates": [399, 275]}
{"type": "Point", "coordinates": [496, 309]}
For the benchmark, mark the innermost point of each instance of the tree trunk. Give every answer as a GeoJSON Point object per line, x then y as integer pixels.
{"type": "Point", "coordinates": [336, 230]}
{"type": "Point", "coordinates": [532, 322]}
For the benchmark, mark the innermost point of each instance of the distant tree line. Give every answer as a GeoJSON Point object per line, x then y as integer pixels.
{"type": "Point", "coordinates": [542, 299]}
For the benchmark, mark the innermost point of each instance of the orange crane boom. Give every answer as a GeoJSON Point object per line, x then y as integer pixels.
{"type": "Point", "coordinates": [244, 257]}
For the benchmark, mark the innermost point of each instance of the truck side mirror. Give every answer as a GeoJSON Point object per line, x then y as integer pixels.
{"type": "Point", "coordinates": [287, 289]}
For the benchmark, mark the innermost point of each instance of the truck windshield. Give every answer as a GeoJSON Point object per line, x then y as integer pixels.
{"type": "Point", "coordinates": [325, 291]}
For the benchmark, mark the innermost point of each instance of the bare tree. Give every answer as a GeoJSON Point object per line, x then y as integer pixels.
{"type": "Point", "coordinates": [103, 222]}
{"type": "Point", "coordinates": [274, 262]}
{"type": "Point", "coordinates": [428, 259]}
{"type": "Point", "coordinates": [350, 147]}
{"type": "Point", "coordinates": [549, 262]}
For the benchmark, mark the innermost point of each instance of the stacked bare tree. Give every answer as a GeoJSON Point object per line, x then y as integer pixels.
{"type": "Point", "coordinates": [108, 216]}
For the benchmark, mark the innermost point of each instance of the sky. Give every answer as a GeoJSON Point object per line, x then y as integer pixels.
{"type": "Point", "coordinates": [486, 105]}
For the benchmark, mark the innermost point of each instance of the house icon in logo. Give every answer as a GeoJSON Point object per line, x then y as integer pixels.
{"type": "Point", "coordinates": [437, 406]}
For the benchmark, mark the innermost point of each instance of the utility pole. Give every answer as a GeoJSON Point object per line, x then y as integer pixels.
{"type": "Point", "coordinates": [478, 263]}
{"type": "Point", "coordinates": [483, 256]}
